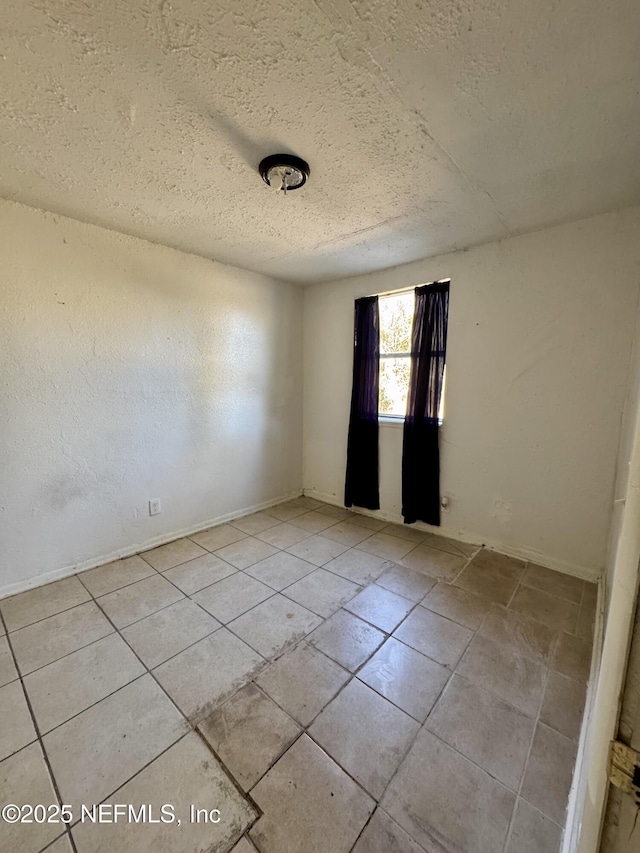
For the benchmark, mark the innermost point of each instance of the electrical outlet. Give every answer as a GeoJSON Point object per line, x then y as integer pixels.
{"type": "Point", "coordinates": [154, 507]}
{"type": "Point", "coordinates": [445, 503]}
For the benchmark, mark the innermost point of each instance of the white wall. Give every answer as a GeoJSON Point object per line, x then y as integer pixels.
{"type": "Point", "coordinates": [131, 371]}
{"type": "Point", "coordinates": [540, 339]}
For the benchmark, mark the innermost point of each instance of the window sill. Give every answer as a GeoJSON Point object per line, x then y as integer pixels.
{"type": "Point", "coordinates": [390, 422]}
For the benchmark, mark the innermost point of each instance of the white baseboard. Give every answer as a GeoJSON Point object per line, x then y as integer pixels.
{"type": "Point", "coordinates": [520, 553]}
{"type": "Point", "coordinates": [129, 551]}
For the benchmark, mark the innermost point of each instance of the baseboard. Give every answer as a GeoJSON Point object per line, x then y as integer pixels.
{"type": "Point", "coordinates": [528, 554]}
{"type": "Point", "coordinates": [129, 551]}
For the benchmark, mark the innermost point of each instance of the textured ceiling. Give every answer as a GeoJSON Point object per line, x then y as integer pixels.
{"type": "Point", "coordinates": [428, 126]}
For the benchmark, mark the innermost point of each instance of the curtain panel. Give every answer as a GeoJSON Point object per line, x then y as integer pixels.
{"type": "Point", "coordinates": [361, 487]}
{"type": "Point", "coordinates": [420, 449]}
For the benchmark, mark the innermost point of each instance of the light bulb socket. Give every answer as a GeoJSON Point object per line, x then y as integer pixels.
{"type": "Point", "coordinates": [285, 161]}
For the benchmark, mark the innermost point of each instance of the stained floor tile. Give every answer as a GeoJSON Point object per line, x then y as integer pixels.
{"type": "Point", "coordinates": [405, 677]}
{"type": "Point", "coordinates": [59, 635]}
{"type": "Point", "coordinates": [170, 555]}
{"type": "Point", "coordinates": [286, 511]}
{"type": "Point", "coordinates": [557, 613]}
{"type": "Point", "coordinates": [204, 675]}
{"type": "Point", "coordinates": [127, 605]}
{"type": "Point", "coordinates": [8, 671]}
{"type": "Point", "coordinates": [572, 657]}
{"type": "Point", "coordinates": [117, 574]}
{"type": "Point", "coordinates": [492, 734]}
{"type": "Point", "coordinates": [357, 566]}
{"type": "Point", "coordinates": [99, 750]}
{"type": "Point", "coordinates": [347, 639]}
{"type": "Point", "coordinates": [249, 733]}
{"type": "Point", "coordinates": [383, 835]}
{"type": "Point", "coordinates": [36, 604]}
{"type": "Point", "coordinates": [380, 607]}
{"type": "Point", "coordinates": [458, 605]}
{"type": "Point", "coordinates": [280, 570]}
{"type": "Point", "coordinates": [309, 803]}
{"type": "Point", "coordinates": [313, 522]}
{"type": "Point", "coordinates": [555, 583]}
{"type": "Point", "coordinates": [257, 522]}
{"type": "Point", "coordinates": [386, 546]}
{"type": "Point", "coordinates": [17, 728]}
{"type": "Point", "coordinates": [347, 533]}
{"type": "Point", "coordinates": [318, 549]}
{"type": "Point", "coordinates": [440, 639]}
{"type": "Point", "coordinates": [162, 635]}
{"type": "Point", "coordinates": [26, 776]}
{"type": "Point", "coordinates": [434, 563]}
{"type": "Point", "coordinates": [533, 832]}
{"type": "Point", "coordinates": [283, 535]}
{"type": "Point", "coordinates": [453, 546]}
{"type": "Point", "coordinates": [322, 592]}
{"type": "Point", "coordinates": [229, 598]}
{"type": "Point", "coordinates": [214, 538]}
{"type": "Point", "coordinates": [246, 552]}
{"type": "Point", "coordinates": [199, 573]}
{"type": "Point", "coordinates": [440, 798]}
{"type": "Point", "coordinates": [410, 583]}
{"type": "Point", "coordinates": [302, 682]}
{"type": "Point", "coordinates": [408, 532]}
{"type": "Point", "coordinates": [496, 583]}
{"type": "Point", "coordinates": [524, 635]}
{"type": "Point", "coordinates": [69, 685]}
{"type": "Point", "coordinates": [187, 773]}
{"type": "Point", "coordinates": [563, 704]}
{"type": "Point", "coordinates": [547, 779]}
{"type": "Point", "coordinates": [275, 624]}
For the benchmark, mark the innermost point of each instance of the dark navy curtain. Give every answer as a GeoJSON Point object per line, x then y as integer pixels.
{"type": "Point", "coordinates": [420, 450]}
{"type": "Point", "coordinates": [361, 487]}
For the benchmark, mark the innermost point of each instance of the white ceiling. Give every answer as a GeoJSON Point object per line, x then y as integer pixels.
{"type": "Point", "coordinates": [428, 126]}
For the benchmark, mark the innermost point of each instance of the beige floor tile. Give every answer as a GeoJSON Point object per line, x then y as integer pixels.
{"type": "Point", "coordinates": [8, 671]}
{"type": "Point", "coordinates": [318, 550]}
{"type": "Point", "coordinates": [453, 546]}
{"type": "Point", "coordinates": [167, 632]}
{"type": "Point", "coordinates": [274, 625]}
{"type": "Point", "coordinates": [36, 604]}
{"type": "Point", "coordinates": [440, 639]}
{"type": "Point", "coordinates": [229, 598]}
{"type": "Point", "coordinates": [527, 636]}
{"type": "Point", "coordinates": [410, 583]}
{"type": "Point", "coordinates": [572, 657]}
{"type": "Point", "coordinates": [185, 774]}
{"type": "Point", "coordinates": [590, 594]}
{"type": "Point", "coordinates": [547, 779]}
{"type": "Point", "coordinates": [457, 604]}
{"type": "Point", "coordinates": [447, 803]}
{"type": "Point", "coordinates": [386, 546]}
{"type": "Point", "coordinates": [486, 730]}
{"type": "Point", "coordinates": [197, 574]}
{"type": "Point", "coordinates": [383, 835]}
{"type": "Point", "coordinates": [307, 503]}
{"type": "Point", "coordinates": [313, 522]}
{"type": "Point", "coordinates": [302, 682]}
{"type": "Point", "coordinates": [61, 845]}
{"type": "Point", "coordinates": [244, 846]}
{"type": "Point", "coordinates": [206, 674]}
{"type": "Point", "coordinates": [280, 570]}
{"type": "Point", "coordinates": [434, 563]}
{"type": "Point", "coordinates": [348, 533]}
{"type": "Point", "coordinates": [309, 804]}
{"type": "Point", "coordinates": [283, 535]}
{"type": "Point", "coordinates": [533, 832]}
{"type": "Point", "coordinates": [69, 685]}
{"type": "Point", "coordinates": [380, 607]}
{"type": "Point", "coordinates": [563, 704]}
{"type": "Point", "coordinates": [26, 777]}
{"type": "Point", "coordinates": [406, 531]}
{"type": "Point", "coordinates": [170, 555]}
{"type": "Point", "coordinates": [17, 728]}
{"type": "Point", "coordinates": [347, 639]}
{"type": "Point", "coordinates": [131, 603]}
{"type": "Point", "coordinates": [365, 734]}
{"type": "Point", "coordinates": [586, 624]}
{"type": "Point", "coordinates": [405, 677]}
{"type": "Point", "coordinates": [214, 538]}
{"type": "Point", "coordinates": [356, 566]}
{"type": "Point", "coordinates": [246, 552]}
{"type": "Point", "coordinates": [59, 635]}
{"type": "Point", "coordinates": [495, 584]}
{"type": "Point", "coordinates": [339, 513]}
{"type": "Point", "coordinates": [249, 733]}
{"type": "Point", "coordinates": [368, 521]}
{"type": "Point", "coordinates": [115, 575]}
{"type": "Point", "coordinates": [555, 583]}
{"type": "Point", "coordinates": [96, 752]}
{"type": "Point", "coordinates": [500, 564]}
{"type": "Point", "coordinates": [257, 522]}
{"type": "Point", "coordinates": [557, 613]}
{"type": "Point", "coordinates": [286, 511]}
{"type": "Point", "coordinates": [505, 672]}
{"type": "Point", "coordinates": [322, 592]}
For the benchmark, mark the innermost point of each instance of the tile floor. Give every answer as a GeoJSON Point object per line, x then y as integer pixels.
{"type": "Point", "coordinates": [328, 682]}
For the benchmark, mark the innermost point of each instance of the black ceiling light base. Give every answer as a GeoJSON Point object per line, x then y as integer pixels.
{"type": "Point", "coordinates": [284, 172]}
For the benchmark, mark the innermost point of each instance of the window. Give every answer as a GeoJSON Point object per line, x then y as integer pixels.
{"type": "Point", "coordinates": [396, 321]}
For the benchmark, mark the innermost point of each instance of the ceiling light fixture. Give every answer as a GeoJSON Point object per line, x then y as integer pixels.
{"type": "Point", "coordinates": [284, 172]}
